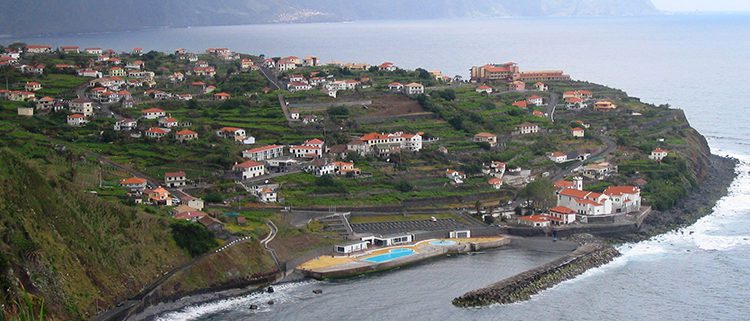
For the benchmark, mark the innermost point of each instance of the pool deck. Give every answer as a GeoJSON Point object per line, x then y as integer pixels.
{"type": "Point", "coordinates": [340, 266]}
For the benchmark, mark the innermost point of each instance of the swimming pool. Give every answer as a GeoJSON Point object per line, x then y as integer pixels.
{"type": "Point", "coordinates": [443, 242]}
{"type": "Point", "coordinates": [391, 255]}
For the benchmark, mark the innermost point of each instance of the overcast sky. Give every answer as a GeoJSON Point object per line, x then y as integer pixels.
{"type": "Point", "coordinates": [702, 5]}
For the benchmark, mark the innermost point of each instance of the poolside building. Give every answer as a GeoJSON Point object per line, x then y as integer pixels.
{"type": "Point", "coordinates": [351, 247]}
{"type": "Point", "coordinates": [389, 240]}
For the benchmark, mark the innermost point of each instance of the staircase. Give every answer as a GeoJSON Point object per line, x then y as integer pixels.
{"type": "Point", "coordinates": [338, 224]}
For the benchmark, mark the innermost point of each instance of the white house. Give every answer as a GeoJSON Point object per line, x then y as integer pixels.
{"type": "Point", "coordinates": [153, 113]}
{"type": "Point", "coordinates": [658, 154]}
{"type": "Point", "coordinates": [414, 89]}
{"type": "Point", "coordinates": [126, 124]}
{"type": "Point", "coordinates": [238, 134]}
{"type": "Point", "coordinates": [320, 167]}
{"type": "Point", "coordinates": [534, 220]}
{"type": "Point", "coordinates": [389, 240]}
{"type": "Point", "coordinates": [306, 151]}
{"type": "Point", "coordinates": [558, 157]}
{"type": "Point", "coordinates": [395, 87]}
{"type": "Point", "coordinates": [81, 106]}
{"type": "Point", "coordinates": [585, 202]}
{"type": "Point", "coordinates": [267, 195]}
{"type": "Point", "coordinates": [77, 120]}
{"type": "Point", "coordinates": [535, 100]}
{"type": "Point", "coordinates": [578, 132]}
{"type": "Point", "coordinates": [250, 169]}
{"type": "Point", "coordinates": [175, 179]}
{"type": "Point", "coordinates": [168, 122]}
{"type": "Point", "coordinates": [562, 214]}
{"type": "Point", "coordinates": [455, 176]}
{"type": "Point", "coordinates": [625, 199]}
{"type": "Point", "coordinates": [484, 89]}
{"type": "Point", "coordinates": [527, 128]}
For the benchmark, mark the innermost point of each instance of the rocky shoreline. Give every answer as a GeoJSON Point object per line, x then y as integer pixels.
{"type": "Point", "coordinates": [695, 205]}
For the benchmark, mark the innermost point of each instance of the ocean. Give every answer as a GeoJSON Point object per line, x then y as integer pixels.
{"type": "Point", "coordinates": [697, 63]}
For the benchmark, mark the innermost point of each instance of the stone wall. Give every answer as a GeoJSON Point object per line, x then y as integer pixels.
{"type": "Point", "coordinates": [522, 286]}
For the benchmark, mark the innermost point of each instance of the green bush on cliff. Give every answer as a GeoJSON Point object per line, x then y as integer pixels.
{"type": "Point", "coordinates": [192, 237]}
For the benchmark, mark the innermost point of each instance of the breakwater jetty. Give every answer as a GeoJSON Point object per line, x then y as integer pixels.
{"type": "Point", "coordinates": [522, 286]}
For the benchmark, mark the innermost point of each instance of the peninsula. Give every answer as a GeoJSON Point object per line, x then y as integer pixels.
{"type": "Point", "coordinates": [133, 178]}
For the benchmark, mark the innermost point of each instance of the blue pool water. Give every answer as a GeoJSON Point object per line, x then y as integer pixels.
{"type": "Point", "coordinates": [391, 255]}
{"type": "Point", "coordinates": [443, 242]}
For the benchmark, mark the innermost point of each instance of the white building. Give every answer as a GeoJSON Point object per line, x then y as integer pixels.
{"type": "Point", "coordinates": [414, 89]}
{"type": "Point", "coordinates": [175, 179]}
{"type": "Point", "coordinates": [625, 199]}
{"type": "Point", "coordinates": [527, 128]}
{"type": "Point", "coordinates": [250, 169]}
{"type": "Point", "coordinates": [585, 202]}
{"type": "Point", "coordinates": [658, 154]}
{"type": "Point", "coordinates": [153, 113]}
{"type": "Point", "coordinates": [77, 120]}
{"type": "Point", "coordinates": [81, 106]}
{"type": "Point", "coordinates": [263, 153]}
{"type": "Point", "coordinates": [351, 247]}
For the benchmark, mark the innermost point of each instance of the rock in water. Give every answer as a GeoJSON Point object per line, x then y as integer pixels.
{"type": "Point", "coordinates": [253, 307]}
{"type": "Point", "coordinates": [270, 302]}
{"type": "Point", "coordinates": [317, 291]}
{"type": "Point", "coordinates": [270, 289]}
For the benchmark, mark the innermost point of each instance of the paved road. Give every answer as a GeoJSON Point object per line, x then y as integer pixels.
{"type": "Point", "coordinates": [270, 238]}
{"type": "Point", "coordinates": [552, 106]}
{"type": "Point", "coordinates": [271, 76]}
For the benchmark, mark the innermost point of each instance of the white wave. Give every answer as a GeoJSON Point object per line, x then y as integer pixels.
{"type": "Point", "coordinates": [193, 312]}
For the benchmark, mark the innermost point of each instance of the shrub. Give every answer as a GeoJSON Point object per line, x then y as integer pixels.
{"type": "Point", "coordinates": [192, 237]}
{"type": "Point", "coordinates": [403, 186]}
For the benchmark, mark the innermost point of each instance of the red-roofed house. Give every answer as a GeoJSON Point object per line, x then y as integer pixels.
{"type": "Point", "coordinates": [495, 182]}
{"type": "Point", "coordinates": [540, 86]}
{"type": "Point", "coordinates": [158, 196]}
{"type": "Point", "coordinates": [185, 135]}
{"type": "Point", "coordinates": [222, 96]}
{"type": "Point", "coordinates": [37, 49]}
{"type": "Point", "coordinates": [563, 215]}
{"type": "Point", "coordinates": [32, 86]}
{"type": "Point", "coordinates": [192, 216]}
{"type": "Point", "coordinates": [535, 220]}
{"type": "Point", "coordinates": [486, 138]}
{"type": "Point", "coordinates": [250, 169]}
{"type": "Point", "coordinates": [537, 113]}
{"type": "Point", "coordinates": [70, 49]}
{"type": "Point", "coordinates": [535, 100]}
{"type": "Point", "coordinates": [153, 113]}
{"type": "Point", "coordinates": [156, 132]}
{"type": "Point", "coordinates": [306, 151]}
{"type": "Point", "coordinates": [387, 66]}
{"type": "Point", "coordinates": [484, 89]}
{"type": "Point", "coordinates": [658, 154]}
{"type": "Point", "coordinates": [77, 120]}
{"type": "Point", "coordinates": [175, 179]}
{"type": "Point", "coordinates": [168, 122]}
{"type": "Point", "coordinates": [558, 157]}
{"type": "Point", "coordinates": [527, 128]}
{"type": "Point", "coordinates": [625, 199]}
{"type": "Point", "coordinates": [134, 184]}
{"type": "Point", "coordinates": [520, 104]}
{"type": "Point", "coordinates": [238, 134]}
{"type": "Point", "coordinates": [585, 202]}
{"type": "Point", "coordinates": [395, 87]}
{"type": "Point", "coordinates": [578, 132]}
{"type": "Point", "coordinates": [414, 89]}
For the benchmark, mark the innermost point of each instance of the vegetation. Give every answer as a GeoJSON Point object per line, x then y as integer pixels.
{"type": "Point", "coordinates": [192, 237]}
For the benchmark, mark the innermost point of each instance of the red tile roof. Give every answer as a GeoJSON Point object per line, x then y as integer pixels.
{"type": "Point", "coordinates": [248, 164]}
{"type": "Point", "coordinates": [619, 190]}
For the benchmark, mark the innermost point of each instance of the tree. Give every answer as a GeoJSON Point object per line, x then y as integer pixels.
{"type": "Point", "coordinates": [540, 192]}
{"type": "Point", "coordinates": [448, 94]}
{"type": "Point", "coordinates": [423, 74]}
{"type": "Point", "coordinates": [338, 112]}
{"type": "Point", "coordinates": [192, 237]}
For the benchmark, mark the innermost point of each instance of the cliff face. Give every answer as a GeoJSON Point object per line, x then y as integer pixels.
{"type": "Point", "coordinates": [48, 16]}
{"type": "Point", "coordinates": [69, 250]}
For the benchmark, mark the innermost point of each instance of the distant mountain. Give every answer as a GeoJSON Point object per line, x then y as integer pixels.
{"type": "Point", "coordinates": [70, 16]}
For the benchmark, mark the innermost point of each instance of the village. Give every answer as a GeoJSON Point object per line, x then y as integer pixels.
{"type": "Point", "coordinates": [370, 155]}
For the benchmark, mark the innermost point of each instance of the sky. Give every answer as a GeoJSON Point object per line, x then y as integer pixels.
{"type": "Point", "coordinates": [703, 5]}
